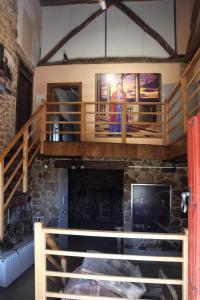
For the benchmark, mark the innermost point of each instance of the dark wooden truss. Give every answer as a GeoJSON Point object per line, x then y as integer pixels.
{"type": "Point", "coordinates": [72, 2]}
{"type": "Point", "coordinates": [128, 12]}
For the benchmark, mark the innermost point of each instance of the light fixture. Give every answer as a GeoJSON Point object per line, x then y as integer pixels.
{"type": "Point", "coordinates": [46, 164]}
{"type": "Point", "coordinates": [102, 4]}
{"type": "Point", "coordinates": [65, 57]}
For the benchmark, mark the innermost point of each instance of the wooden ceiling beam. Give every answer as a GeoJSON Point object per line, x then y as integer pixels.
{"type": "Point", "coordinates": [113, 60]}
{"type": "Point", "coordinates": [70, 35]}
{"type": "Point", "coordinates": [142, 24]}
{"type": "Point", "coordinates": [72, 2]}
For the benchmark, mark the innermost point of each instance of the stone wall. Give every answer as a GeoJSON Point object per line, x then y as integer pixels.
{"type": "Point", "coordinates": [8, 35]}
{"type": "Point", "coordinates": [45, 185]}
{"type": "Point", "coordinates": [8, 38]}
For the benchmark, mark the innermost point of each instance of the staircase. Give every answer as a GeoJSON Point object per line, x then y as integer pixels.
{"type": "Point", "coordinates": [16, 159]}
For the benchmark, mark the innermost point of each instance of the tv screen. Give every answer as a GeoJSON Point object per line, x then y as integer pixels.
{"type": "Point", "coordinates": [151, 207]}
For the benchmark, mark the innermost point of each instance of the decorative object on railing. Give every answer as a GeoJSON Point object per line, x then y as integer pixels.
{"type": "Point", "coordinates": [42, 271]}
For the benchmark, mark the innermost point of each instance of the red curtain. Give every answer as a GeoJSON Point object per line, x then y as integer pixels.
{"type": "Point", "coordinates": [193, 144]}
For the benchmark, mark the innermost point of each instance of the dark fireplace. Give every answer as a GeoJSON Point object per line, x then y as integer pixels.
{"type": "Point", "coordinates": [150, 206]}
{"type": "Point", "coordinates": [95, 199]}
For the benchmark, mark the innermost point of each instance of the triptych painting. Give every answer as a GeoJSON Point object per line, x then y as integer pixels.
{"type": "Point", "coordinates": [140, 91]}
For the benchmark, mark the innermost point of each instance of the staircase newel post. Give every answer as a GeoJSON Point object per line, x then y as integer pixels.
{"type": "Point", "coordinates": [40, 262]}
{"type": "Point", "coordinates": [25, 160]}
{"type": "Point", "coordinates": [1, 198]}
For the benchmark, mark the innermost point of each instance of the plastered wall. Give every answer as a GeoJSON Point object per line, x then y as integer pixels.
{"type": "Point", "coordinates": [170, 74]}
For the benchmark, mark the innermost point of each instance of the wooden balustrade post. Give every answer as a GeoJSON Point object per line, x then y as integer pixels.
{"type": "Point", "coordinates": [43, 127]}
{"type": "Point", "coordinates": [83, 121]}
{"type": "Point", "coordinates": [25, 159]}
{"type": "Point", "coordinates": [123, 122]}
{"type": "Point", "coordinates": [40, 262]}
{"type": "Point", "coordinates": [166, 122]}
{"type": "Point", "coordinates": [185, 102]}
{"type": "Point", "coordinates": [1, 199]}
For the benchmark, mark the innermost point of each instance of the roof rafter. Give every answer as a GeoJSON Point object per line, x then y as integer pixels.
{"type": "Point", "coordinates": [70, 35]}
{"type": "Point", "coordinates": [127, 11]}
{"type": "Point", "coordinates": [142, 24]}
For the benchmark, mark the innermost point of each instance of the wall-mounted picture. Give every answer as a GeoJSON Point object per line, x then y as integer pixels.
{"type": "Point", "coordinates": [134, 89]}
{"type": "Point", "coordinates": [6, 70]}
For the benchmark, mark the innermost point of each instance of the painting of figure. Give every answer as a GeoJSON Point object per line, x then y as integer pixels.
{"type": "Point", "coordinates": [137, 91]}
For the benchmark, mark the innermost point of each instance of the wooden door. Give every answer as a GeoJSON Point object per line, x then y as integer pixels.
{"type": "Point", "coordinates": [24, 96]}
{"type": "Point", "coordinates": [70, 93]}
{"type": "Point", "coordinates": [193, 142]}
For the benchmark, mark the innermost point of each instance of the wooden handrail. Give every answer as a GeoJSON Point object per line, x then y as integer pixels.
{"type": "Point", "coordinates": [105, 103]}
{"type": "Point", "coordinates": [20, 133]}
{"type": "Point", "coordinates": [193, 62]}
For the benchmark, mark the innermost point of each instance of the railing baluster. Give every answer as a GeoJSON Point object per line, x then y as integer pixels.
{"type": "Point", "coordinates": [123, 122]}
{"type": "Point", "coordinates": [166, 122]}
{"type": "Point", "coordinates": [1, 199]}
{"type": "Point", "coordinates": [43, 127]}
{"type": "Point", "coordinates": [25, 159]}
{"type": "Point", "coordinates": [83, 121]}
{"type": "Point", "coordinates": [185, 98]}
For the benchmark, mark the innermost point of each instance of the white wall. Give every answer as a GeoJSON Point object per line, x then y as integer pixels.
{"type": "Point", "coordinates": [125, 38]}
{"type": "Point", "coordinates": [29, 28]}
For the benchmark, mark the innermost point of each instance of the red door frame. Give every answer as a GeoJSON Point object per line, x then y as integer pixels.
{"type": "Point", "coordinates": [193, 144]}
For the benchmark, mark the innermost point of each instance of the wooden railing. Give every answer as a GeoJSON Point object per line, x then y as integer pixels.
{"type": "Point", "coordinates": [16, 159]}
{"type": "Point", "coordinates": [157, 123]}
{"type": "Point", "coordinates": [126, 122]}
{"type": "Point", "coordinates": [184, 101]}
{"type": "Point", "coordinates": [42, 271]}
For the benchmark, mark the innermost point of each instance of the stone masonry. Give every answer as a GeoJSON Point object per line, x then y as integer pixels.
{"type": "Point", "coordinates": [8, 35]}
{"type": "Point", "coordinates": [45, 186]}
{"type": "Point", "coordinates": [8, 38]}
